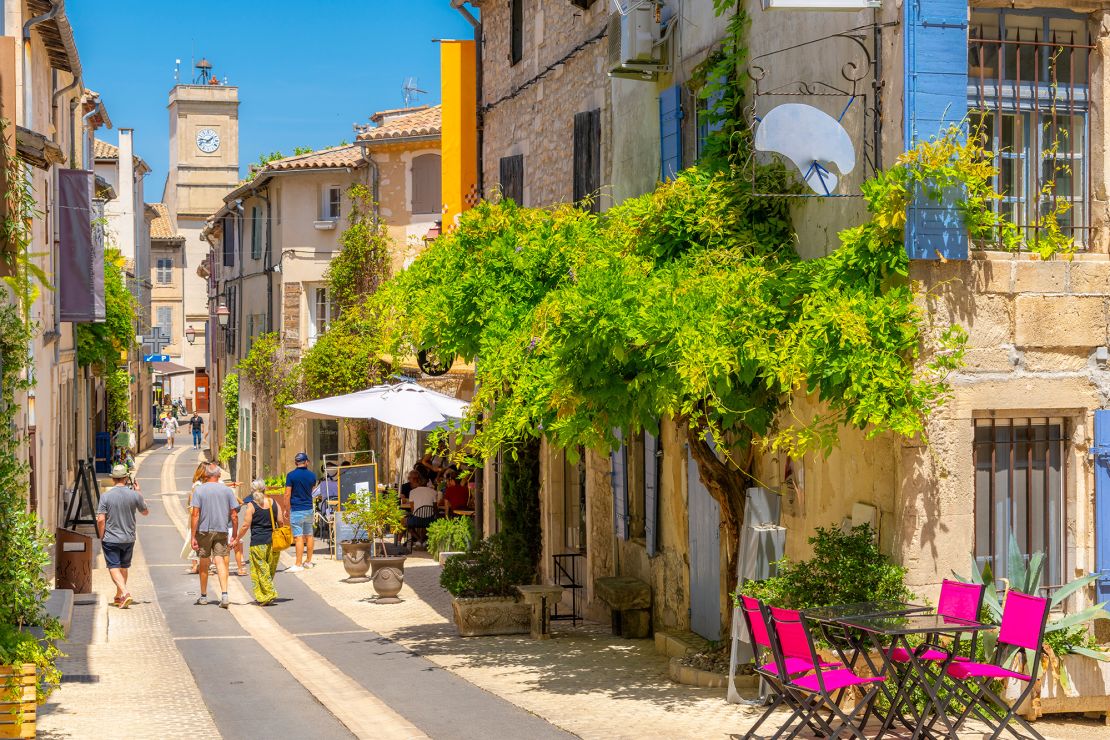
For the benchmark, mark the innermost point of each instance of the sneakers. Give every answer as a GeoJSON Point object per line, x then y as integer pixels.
{"type": "Point", "coordinates": [309, 564]}
{"type": "Point", "coordinates": [202, 601]}
{"type": "Point", "coordinates": [294, 569]}
{"type": "Point", "coordinates": [126, 601]}
{"type": "Point", "coordinates": [223, 601]}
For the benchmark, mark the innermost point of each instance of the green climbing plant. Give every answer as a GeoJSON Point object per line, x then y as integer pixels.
{"type": "Point", "coordinates": [229, 394]}
{"type": "Point", "coordinates": [363, 260]}
{"type": "Point", "coordinates": [273, 377]}
{"type": "Point", "coordinates": [106, 343]}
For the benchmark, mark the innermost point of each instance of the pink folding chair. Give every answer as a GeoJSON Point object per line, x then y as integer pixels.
{"type": "Point", "coordinates": [958, 600]}
{"type": "Point", "coordinates": [1023, 624]}
{"type": "Point", "coordinates": [823, 686]}
{"type": "Point", "coordinates": [756, 620]}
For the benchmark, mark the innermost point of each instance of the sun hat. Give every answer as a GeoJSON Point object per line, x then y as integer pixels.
{"type": "Point", "coordinates": [119, 471]}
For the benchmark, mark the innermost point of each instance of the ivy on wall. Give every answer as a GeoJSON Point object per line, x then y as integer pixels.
{"type": "Point", "coordinates": [363, 261]}
{"type": "Point", "coordinates": [229, 394]}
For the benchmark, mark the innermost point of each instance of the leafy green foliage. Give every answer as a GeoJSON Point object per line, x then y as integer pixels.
{"type": "Point", "coordinates": [453, 534]}
{"type": "Point", "coordinates": [374, 513]}
{"type": "Point", "coordinates": [494, 567]}
{"type": "Point", "coordinates": [24, 277]}
{"type": "Point", "coordinates": [24, 547]}
{"type": "Point", "coordinates": [104, 343]}
{"type": "Point", "coordinates": [265, 159]}
{"type": "Point", "coordinates": [363, 261]}
{"type": "Point", "coordinates": [846, 568]}
{"type": "Point", "coordinates": [342, 360]}
{"type": "Point", "coordinates": [519, 508]}
{"type": "Point", "coordinates": [273, 378]}
{"type": "Point", "coordinates": [229, 394]}
{"type": "Point", "coordinates": [18, 647]}
{"type": "Point", "coordinates": [118, 395]}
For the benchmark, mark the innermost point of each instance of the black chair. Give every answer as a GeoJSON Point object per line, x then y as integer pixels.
{"type": "Point", "coordinates": [418, 521]}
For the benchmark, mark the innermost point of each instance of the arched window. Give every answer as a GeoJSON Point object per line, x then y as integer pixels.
{"type": "Point", "coordinates": [426, 193]}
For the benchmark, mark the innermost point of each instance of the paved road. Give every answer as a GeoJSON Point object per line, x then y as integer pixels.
{"type": "Point", "coordinates": [250, 694]}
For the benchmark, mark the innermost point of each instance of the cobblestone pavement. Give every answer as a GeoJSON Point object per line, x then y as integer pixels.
{"type": "Point", "coordinates": [584, 680]}
{"type": "Point", "coordinates": [125, 676]}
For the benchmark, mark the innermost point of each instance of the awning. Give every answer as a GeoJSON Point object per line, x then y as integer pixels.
{"type": "Point", "coordinates": [169, 368]}
{"type": "Point", "coordinates": [405, 405]}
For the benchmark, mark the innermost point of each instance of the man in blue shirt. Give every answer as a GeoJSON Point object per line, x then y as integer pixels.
{"type": "Point", "coordinates": [298, 487]}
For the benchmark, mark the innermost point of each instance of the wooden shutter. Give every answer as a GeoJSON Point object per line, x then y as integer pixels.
{"type": "Point", "coordinates": [587, 158]}
{"type": "Point", "coordinates": [935, 98]}
{"type": "Point", "coordinates": [426, 184]}
{"type": "Point", "coordinates": [229, 242]}
{"type": "Point", "coordinates": [705, 127]}
{"type": "Point", "coordinates": [670, 132]}
{"type": "Point", "coordinates": [512, 178]}
{"type": "Point", "coordinates": [256, 234]}
{"type": "Point", "coordinates": [704, 518]}
{"type": "Point", "coordinates": [651, 492]}
{"type": "Point", "coordinates": [619, 466]}
{"type": "Point", "coordinates": [1102, 504]}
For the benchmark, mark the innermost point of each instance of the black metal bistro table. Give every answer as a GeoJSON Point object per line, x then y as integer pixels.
{"type": "Point", "coordinates": [885, 633]}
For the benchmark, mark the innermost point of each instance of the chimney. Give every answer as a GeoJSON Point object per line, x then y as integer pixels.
{"type": "Point", "coordinates": [125, 193]}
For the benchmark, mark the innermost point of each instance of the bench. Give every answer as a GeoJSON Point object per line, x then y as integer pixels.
{"type": "Point", "coordinates": [630, 601]}
{"type": "Point", "coordinates": [540, 598]}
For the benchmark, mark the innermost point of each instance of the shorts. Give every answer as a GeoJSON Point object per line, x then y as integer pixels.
{"type": "Point", "coordinates": [117, 554]}
{"type": "Point", "coordinates": [418, 522]}
{"type": "Point", "coordinates": [212, 544]}
{"type": "Point", "coordinates": [301, 523]}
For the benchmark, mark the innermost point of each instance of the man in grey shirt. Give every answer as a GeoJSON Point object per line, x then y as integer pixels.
{"type": "Point", "coordinates": [215, 509]}
{"type": "Point", "coordinates": [115, 525]}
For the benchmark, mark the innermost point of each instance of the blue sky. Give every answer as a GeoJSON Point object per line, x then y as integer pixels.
{"type": "Point", "coordinates": [305, 71]}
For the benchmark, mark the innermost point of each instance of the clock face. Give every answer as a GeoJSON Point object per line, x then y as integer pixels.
{"type": "Point", "coordinates": [208, 140]}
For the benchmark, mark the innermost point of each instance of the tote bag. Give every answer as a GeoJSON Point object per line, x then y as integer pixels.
{"type": "Point", "coordinates": [282, 537]}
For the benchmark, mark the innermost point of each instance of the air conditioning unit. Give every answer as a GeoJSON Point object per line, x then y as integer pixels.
{"type": "Point", "coordinates": [635, 51]}
{"type": "Point", "coordinates": [821, 4]}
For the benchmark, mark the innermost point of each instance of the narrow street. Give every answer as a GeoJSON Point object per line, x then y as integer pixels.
{"type": "Point", "coordinates": [299, 669]}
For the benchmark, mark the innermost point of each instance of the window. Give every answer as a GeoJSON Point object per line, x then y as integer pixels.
{"type": "Point", "coordinates": [165, 320]}
{"type": "Point", "coordinates": [165, 271]}
{"type": "Point", "coordinates": [426, 192]}
{"type": "Point", "coordinates": [256, 234]}
{"type": "Point", "coordinates": [512, 178]}
{"type": "Point", "coordinates": [1028, 97]}
{"type": "Point", "coordinates": [1020, 471]}
{"type": "Point", "coordinates": [587, 159]}
{"type": "Point", "coordinates": [229, 241]}
{"type": "Point", "coordinates": [516, 31]}
{"type": "Point", "coordinates": [333, 196]}
{"type": "Point", "coordinates": [319, 314]}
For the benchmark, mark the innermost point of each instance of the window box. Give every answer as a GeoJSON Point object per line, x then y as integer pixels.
{"type": "Point", "coordinates": [325, 225]}
{"type": "Point", "coordinates": [1088, 689]}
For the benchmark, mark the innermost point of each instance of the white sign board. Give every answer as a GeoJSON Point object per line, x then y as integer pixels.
{"type": "Point", "coordinates": [821, 4]}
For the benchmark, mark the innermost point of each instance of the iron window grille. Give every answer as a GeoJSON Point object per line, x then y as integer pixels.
{"type": "Point", "coordinates": [1021, 487]}
{"type": "Point", "coordinates": [1029, 77]}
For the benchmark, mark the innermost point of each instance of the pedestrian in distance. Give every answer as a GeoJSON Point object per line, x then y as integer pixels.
{"type": "Point", "coordinates": [214, 509]}
{"type": "Point", "coordinates": [299, 483]}
{"type": "Point", "coordinates": [196, 424]}
{"type": "Point", "coordinates": [169, 428]}
{"type": "Point", "coordinates": [115, 526]}
{"type": "Point", "coordinates": [261, 516]}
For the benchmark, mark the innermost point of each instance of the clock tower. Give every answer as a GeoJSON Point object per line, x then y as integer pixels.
{"type": "Point", "coordinates": [203, 168]}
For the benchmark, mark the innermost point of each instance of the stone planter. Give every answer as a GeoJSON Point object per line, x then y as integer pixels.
{"type": "Point", "coordinates": [388, 575]}
{"type": "Point", "coordinates": [18, 703]}
{"type": "Point", "coordinates": [444, 555]}
{"type": "Point", "coordinates": [356, 560]}
{"type": "Point", "coordinates": [491, 615]}
{"type": "Point", "coordinates": [1090, 690]}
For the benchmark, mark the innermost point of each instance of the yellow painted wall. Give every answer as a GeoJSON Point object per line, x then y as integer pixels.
{"type": "Point", "coordinates": [460, 128]}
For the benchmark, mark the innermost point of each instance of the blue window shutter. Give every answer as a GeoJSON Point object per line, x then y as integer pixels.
{"type": "Point", "coordinates": [651, 493]}
{"type": "Point", "coordinates": [935, 98]}
{"type": "Point", "coordinates": [1102, 503]}
{"type": "Point", "coordinates": [620, 488]}
{"type": "Point", "coordinates": [705, 128]}
{"type": "Point", "coordinates": [670, 132]}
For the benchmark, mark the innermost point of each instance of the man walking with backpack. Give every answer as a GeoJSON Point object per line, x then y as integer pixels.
{"type": "Point", "coordinates": [115, 525]}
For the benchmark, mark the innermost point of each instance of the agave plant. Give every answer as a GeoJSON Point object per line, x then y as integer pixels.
{"type": "Point", "coordinates": [1026, 577]}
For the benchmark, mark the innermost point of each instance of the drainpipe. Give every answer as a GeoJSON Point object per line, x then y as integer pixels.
{"type": "Point", "coordinates": [460, 5]}
{"type": "Point", "coordinates": [28, 101]}
{"type": "Point", "coordinates": [86, 135]}
{"type": "Point", "coordinates": [268, 266]}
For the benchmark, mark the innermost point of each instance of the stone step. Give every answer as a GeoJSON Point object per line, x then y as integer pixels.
{"type": "Point", "coordinates": [679, 643]}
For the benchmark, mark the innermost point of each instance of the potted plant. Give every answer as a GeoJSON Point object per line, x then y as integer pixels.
{"type": "Point", "coordinates": [27, 675]}
{"type": "Point", "coordinates": [483, 584]}
{"type": "Point", "coordinates": [447, 537]}
{"type": "Point", "coordinates": [376, 514]}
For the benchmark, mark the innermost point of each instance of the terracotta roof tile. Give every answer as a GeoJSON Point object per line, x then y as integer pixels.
{"type": "Point", "coordinates": [161, 227]}
{"type": "Point", "coordinates": [347, 155]}
{"type": "Point", "coordinates": [423, 122]}
{"type": "Point", "coordinates": [104, 150]}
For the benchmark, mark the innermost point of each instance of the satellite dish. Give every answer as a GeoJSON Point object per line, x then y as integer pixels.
{"type": "Point", "coordinates": [810, 138]}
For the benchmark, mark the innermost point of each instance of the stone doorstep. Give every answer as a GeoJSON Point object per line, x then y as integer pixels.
{"type": "Point", "coordinates": [679, 644]}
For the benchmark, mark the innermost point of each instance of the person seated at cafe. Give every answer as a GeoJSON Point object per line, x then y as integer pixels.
{"type": "Point", "coordinates": [421, 496]}
{"type": "Point", "coordinates": [456, 494]}
{"type": "Point", "coordinates": [413, 480]}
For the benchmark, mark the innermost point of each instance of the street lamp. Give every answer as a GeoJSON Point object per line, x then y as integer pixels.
{"type": "Point", "coordinates": [190, 335]}
{"type": "Point", "coordinates": [223, 316]}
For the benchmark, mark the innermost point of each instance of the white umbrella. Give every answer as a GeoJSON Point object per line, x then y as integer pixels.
{"type": "Point", "coordinates": [405, 405]}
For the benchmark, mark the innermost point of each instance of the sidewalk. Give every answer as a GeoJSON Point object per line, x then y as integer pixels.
{"type": "Point", "coordinates": [584, 680]}
{"type": "Point", "coordinates": [123, 677]}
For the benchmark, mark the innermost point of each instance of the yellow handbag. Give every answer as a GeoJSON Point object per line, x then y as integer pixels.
{"type": "Point", "coordinates": [282, 536]}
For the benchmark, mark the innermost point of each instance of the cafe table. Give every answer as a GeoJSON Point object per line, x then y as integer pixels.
{"type": "Point", "coordinates": [883, 633]}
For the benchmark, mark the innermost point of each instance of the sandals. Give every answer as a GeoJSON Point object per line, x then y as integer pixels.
{"type": "Point", "coordinates": [123, 603]}
{"type": "Point", "coordinates": [242, 571]}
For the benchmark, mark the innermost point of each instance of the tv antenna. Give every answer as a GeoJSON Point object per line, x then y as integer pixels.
{"type": "Point", "coordinates": [409, 91]}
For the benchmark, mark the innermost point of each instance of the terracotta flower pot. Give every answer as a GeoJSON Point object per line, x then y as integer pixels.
{"type": "Point", "coordinates": [388, 575]}
{"type": "Point", "coordinates": [18, 703]}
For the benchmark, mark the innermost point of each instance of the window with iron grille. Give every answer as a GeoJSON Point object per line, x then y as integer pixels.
{"type": "Point", "coordinates": [165, 270]}
{"type": "Point", "coordinates": [1029, 100]}
{"type": "Point", "coordinates": [1020, 474]}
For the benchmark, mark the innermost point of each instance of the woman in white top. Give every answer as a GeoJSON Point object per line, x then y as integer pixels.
{"type": "Point", "coordinates": [187, 552]}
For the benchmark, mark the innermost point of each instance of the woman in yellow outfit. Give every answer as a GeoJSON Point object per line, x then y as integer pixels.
{"type": "Point", "coordinates": [261, 515]}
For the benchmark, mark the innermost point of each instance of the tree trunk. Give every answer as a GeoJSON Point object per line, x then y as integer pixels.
{"type": "Point", "coordinates": [725, 483]}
